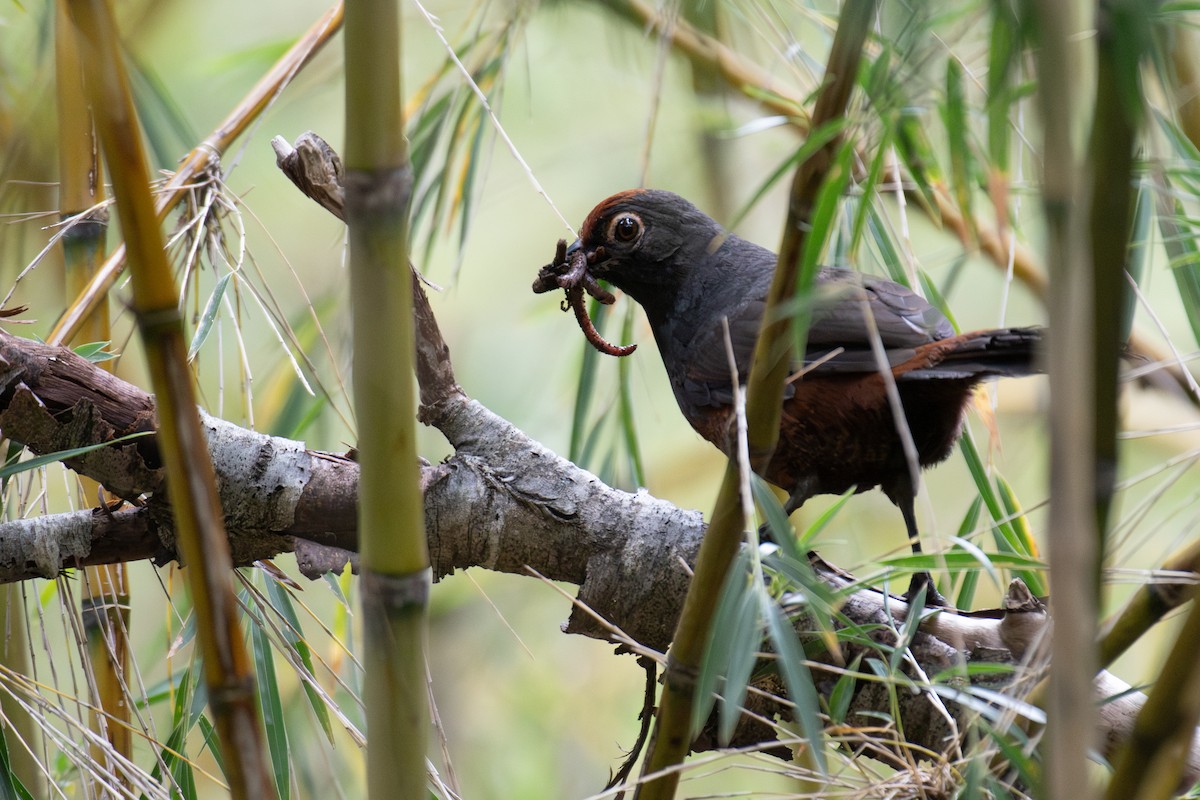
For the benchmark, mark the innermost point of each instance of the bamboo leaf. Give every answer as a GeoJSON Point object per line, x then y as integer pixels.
{"type": "Point", "coordinates": [798, 680]}
{"type": "Point", "coordinates": [628, 429]}
{"type": "Point", "coordinates": [208, 316]}
{"type": "Point", "coordinates": [744, 636]}
{"type": "Point", "coordinates": [281, 602]}
{"type": "Point", "coordinates": [886, 247]}
{"type": "Point", "coordinates": [954, 114]}
{"type": "Point", "coordinates": [777, 522]}
{"type": "Point", "coordinates": [10, 469]}
{"type": "Point", "coordinates": [970, 578]}
{"type": "Point", "coordinates": [584, 390]}
{"type": "Point", "coordinates": [1003, 51]}
{"type": "Point", "coordinates": [843, 692]}
{"type": "Point", "coordinates": [824, 519]}
{"type": "Point", "coordinates": [934, 295]}
{"type": "Point", "coordinates": [718, 652]}
{"type": "Point", "coordinates": [824, 220]}
{"type": "Point", "coordinates": [816, 139]}
{"type": "Point", "coordinates": [186, 710]}
{"type": "Point", "coordinates": [866, 209]}
{"type": "Point", "coordinates": [972, 558]}
{"type": "Point", "coordinates": [212, 743]}
{"type": "Point", "coordinates": [95, 352]}
{"type": "Point", "coordinates": [271, 706]}
{"type": "Point", "coordinates": [11, 787]}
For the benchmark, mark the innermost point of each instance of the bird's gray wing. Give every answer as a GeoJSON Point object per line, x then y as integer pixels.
{"type": "Point", "coordinates": [839, 339]}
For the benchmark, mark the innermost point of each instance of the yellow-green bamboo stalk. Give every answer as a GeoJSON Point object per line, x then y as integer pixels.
{"type": "Point", "coordinates": [1150, 765]}
{"type": "Point", "coordinates": [1074, 547]}
{"type": "Point", "coordinates": [199, 527]}
{"type": "Point", "coordinates": [1148, 605]}
{"type": "Point", "coordinates": [772, 362]}
{"type": "Point", "coordinates": [105, 600]}
{"type": "Point", "coordinates": [395, 576]}
{"type": "Point", "coordinates": [203, 157]}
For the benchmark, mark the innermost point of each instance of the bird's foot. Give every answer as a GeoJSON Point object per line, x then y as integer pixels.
{"type": "Point", "coordinates": [923, 582]}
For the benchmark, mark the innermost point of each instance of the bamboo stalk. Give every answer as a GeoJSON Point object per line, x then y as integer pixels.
{"type": "Point", "coordinates": [672, 736]}
{"type": "Point", "coordinates": [105, 596]}
{"type": "Point", "coordinates": [1071, 350]}
{"type": "Point", "coordinates": [228, 671]}
{"type": "Point", "coordinates": [1151, 764]}
{"type": "Point", "coordinates": [1148, 606]}
{"type": "Point", "coordinates": [395, 575]}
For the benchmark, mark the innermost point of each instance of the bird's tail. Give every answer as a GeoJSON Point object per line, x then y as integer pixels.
{"type": "Point", "coordinates": [1004, 352]}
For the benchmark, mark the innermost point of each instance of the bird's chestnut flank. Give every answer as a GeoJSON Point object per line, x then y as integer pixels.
{"type": "Point", "coordinates": [837, 430]}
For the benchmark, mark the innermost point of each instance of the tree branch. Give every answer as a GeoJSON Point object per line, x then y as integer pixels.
{"type": "Point", "coordinates": [502, 502]}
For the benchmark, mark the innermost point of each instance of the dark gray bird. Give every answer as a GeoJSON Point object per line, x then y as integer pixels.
{"type": "Point", "coordinates": [837, 430]}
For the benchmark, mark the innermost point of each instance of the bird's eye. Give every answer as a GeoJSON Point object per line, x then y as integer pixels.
{"type": "Point", "coordinates": [625, 228]}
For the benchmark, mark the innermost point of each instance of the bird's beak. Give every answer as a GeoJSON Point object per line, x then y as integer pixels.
{"type": "Point", "coordinates": [596, 259]}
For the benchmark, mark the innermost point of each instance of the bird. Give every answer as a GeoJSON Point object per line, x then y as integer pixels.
{"type": "Point", "coordinates": [699, 284]}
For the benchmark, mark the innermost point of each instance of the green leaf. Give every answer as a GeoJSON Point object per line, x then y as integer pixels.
{"type": "Point", "coordinates": [187, 709]}
{"type": "Point", "coordinates": [625, 405]}
{"type": "Point", "coordinates": [204, 326]}
{"type": "Point", "coordinates": [866, 209]}
{"type": "Point", "coordinates": [744, 636]}
{"type": "Point", "coordinates": [798, 680]}
{"type": "Point", "coordinates": [842, 693]}
{"type": "Point", "coordinates": [970, 578]}
{"type": "Point", "coordinates": [824, 519]}
{"type": "Point", "coordinates": [292, 633]}
{"type": "Point", "coordinates": [816, 139]}
{"type": "Point", "coordinates": [11, 787]}
{"type": "Point", "coordinates": [963, 560]}
{"type": "Point", "coordinates": [94, 352]}
{"type": "Point", "coordinates": [934, 295]}
{"type": "Point", "coordinates": [718, 652]}
{"type": "Point", "coordinates": [954, 115]}
{"type": "Point", "coordinates": [1179, 234]}
{"type": "Point", "coordinates": [8, 470]}
{"type": "Point", "coordinates": [917, 154]}
{"type": "Point", "coordinates": [780, 527]}
{"type": "Point", "coordinates": [586, 387]}
{"type": "Point", "coordinates": [212, 742]}
{"type": "Point", "coordinates": [271, 707]}
{"type": "Point", "coordinates": [823, 222]}
{"type": "Point", "coordinates": [877, 227]}
{"type": "Point", "coordinates": [1003, 52]}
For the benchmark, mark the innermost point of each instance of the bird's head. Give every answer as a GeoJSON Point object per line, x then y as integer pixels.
{"type": "Point", "coordinates": [646, 242]}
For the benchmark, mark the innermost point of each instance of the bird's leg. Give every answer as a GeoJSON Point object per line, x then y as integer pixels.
{"type": "Point", "coordinates": [802, 491]}
{"type": "Point", "coordinates": [920, 580]}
